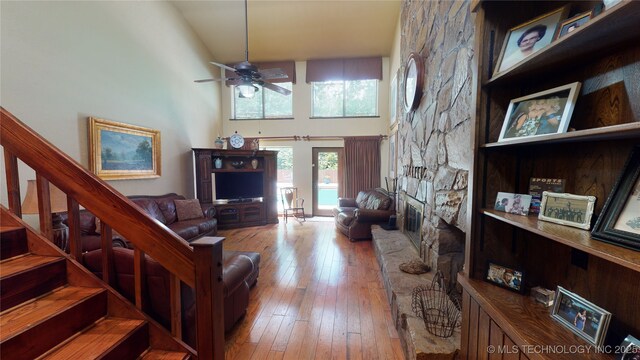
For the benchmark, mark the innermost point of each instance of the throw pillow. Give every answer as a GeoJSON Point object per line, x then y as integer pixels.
{"type": "Point", "coordinates": [188, 209]}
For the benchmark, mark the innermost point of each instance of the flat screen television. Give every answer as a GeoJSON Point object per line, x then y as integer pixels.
{"type": "Point", "coordinates": [239, 185]}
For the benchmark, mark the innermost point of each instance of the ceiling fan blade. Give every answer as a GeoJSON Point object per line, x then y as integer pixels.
{"type": "Point", "coordinates": [222, 66]}
{"type": "Point", "coordinates": [276, 88]}
{"type": "Point", "coordinates": [221, 79]}
{"type": "Point", "coordinates": [275, 73]}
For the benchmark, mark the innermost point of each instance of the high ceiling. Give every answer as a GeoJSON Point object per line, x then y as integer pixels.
{"type": "Point", "coordinates": [293, 29]}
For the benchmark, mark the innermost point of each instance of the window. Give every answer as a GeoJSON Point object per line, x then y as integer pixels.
{"type": "Point", "coordinates": [264, 105]}
{"type": "Point", "coordinates": [285, 170]}
{"type": "Point", "coordinates": [345, 98]}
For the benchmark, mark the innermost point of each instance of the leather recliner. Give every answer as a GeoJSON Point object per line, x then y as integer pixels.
{"type": "Point", "coordinates": [354, 217]}
{"type": "Point", "coordinates": [240, 272]}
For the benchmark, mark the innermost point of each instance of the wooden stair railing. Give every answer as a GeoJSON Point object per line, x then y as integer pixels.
{"type": "Point", "coordinates": [200, 267]}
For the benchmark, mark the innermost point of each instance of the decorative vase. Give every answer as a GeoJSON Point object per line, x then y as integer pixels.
{"type": "Point", "coordinates": [217, 163]}
{"type": "Point", "coordinates": [219, 143]}
{"type": "Point", "coordinates": [254, 163]}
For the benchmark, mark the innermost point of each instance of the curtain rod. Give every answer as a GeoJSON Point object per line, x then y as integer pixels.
{"type": "Point", "coordinates": [309, 138]}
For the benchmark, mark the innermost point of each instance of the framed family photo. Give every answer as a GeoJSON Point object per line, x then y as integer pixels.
{"type": "Point", "coordinates": [504, 277]}
{"type": "Point", "coordinates": [513, 203]}
{"type": "Point", "coordinates": [581, 316]}
{"type": "Point", "coordinates": [528, 38]}
{"type": "Point", "coordinates": [567, 209]}
{"type": "Point", "coordinates": [619, 222]}
{"type": "Point", "coordinates": [121, 151]}
{"type": "Point", "coordinates": [542, 113]}
{"type": "Point", "coordinates": [573, 24]}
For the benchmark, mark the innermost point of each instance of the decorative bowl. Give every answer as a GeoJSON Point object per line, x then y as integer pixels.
{"type": "Point", "coordinates": [237, 164]}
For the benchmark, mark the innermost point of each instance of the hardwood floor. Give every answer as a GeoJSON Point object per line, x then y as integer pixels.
{"type": "Point", "coordinates": [319, 296]}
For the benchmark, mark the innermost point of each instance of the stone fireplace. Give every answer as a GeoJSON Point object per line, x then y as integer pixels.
{"type": "Point", "coordinates": [413, 211]}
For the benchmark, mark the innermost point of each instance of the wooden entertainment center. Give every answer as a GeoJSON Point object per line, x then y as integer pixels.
{"type": "Point", "coordinates": [245, 212]}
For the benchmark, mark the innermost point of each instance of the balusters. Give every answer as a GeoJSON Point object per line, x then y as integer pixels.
{"type": "Point", "coordinates": [74, 247]}
{"type": "Point", "coordinates": [176, 306]}
{"type": "Point", "coordinates": [44, 206]}
{"type": "Point", "coordinates": [108, 275]}
{"type": "Point", "coordinates": [13, 182]}
{"type": "Point", "coordinates": [139, 275]}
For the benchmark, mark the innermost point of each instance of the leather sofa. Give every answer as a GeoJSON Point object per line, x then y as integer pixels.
{"type": "Point", "coordinates": [161, 208]}
{"type": "Point", "coordinates": [354, 217]}
{"type": "Point", "coordinates": [240, 271]}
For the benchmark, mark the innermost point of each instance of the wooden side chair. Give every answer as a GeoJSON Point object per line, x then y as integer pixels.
{"type": "Point", "coordinates": [292, 204]}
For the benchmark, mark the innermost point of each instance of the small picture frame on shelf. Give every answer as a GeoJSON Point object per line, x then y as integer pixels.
{"type": "Point", "coordinates": [513, 203]}
{"type": "Point", "coordinates": [567, 209]}
{"type": "Point", "coordinates": [528, 38]}
{"type": "Point", "coordinates": [543, 296]}
{"type": "Point", "coordinates": [619, 222]}
{"type": "Point", "coordinates": [542, 113]}
{"type": "Point", "coordinates": [504, 277]}
{"type": "Point", "coordinates": [629, 349]}
{"type": "Point", "coordinates": [572, 24]}
{"type": "Point", "coordinates": [584, 318]}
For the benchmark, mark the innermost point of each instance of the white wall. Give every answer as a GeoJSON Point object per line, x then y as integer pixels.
{"type": "Point", "coordinates": [131, 61]}
{"type": "Point", "coordinates": [302, 125]}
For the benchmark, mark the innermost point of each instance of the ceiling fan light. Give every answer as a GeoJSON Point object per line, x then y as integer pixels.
{"type": "Point", "coordinates": [247, 90]}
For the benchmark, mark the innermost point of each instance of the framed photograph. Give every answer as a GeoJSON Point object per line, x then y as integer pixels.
{"type": "Point", "coordinates": [513, 203]}
{"type": "Point", "coordinates": [572, 24]}
{"type": "Point", "coordinates": [528, 38]}
{"type": "Point", "coordinates": [619, 222]}
{"type": "Point", "coordinates": [392, 154]}
{"type": "Point", "coordinates": [581, 316]}
{"type": "Point", "coordinates": [542, 113]}
{"type": "Point", "coordinates": [567, 209]}
{"type": "Point", "coordinates": [121, 151]}
{"type": "Point", "coordinates": [630, 349]}
{"type": "Point", "coordinates": [393, 100]}
{"type": "Point", "coordinates": [504, 277]}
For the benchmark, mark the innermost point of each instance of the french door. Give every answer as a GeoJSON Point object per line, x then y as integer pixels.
{"type": "Point", "coordinates": [327, 170]}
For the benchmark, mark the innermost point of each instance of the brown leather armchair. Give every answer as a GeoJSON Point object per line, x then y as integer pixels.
{"type": "Point", "coordinates": [354, 217]}
{"type": "Point", "coordinates": [240, 272]}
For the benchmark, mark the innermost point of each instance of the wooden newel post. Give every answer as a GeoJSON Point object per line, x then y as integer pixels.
{"type": "Point", "coordinates": [209, 306]}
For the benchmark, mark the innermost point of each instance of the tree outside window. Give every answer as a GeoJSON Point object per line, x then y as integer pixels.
{"type": "Point", "coordinates": [264, 105]}
{"type": "Point", "coordinates": [345, 98]}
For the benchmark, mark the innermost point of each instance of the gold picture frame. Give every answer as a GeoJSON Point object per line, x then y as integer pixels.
{"type": "Point", "coordinates": [119, 151]}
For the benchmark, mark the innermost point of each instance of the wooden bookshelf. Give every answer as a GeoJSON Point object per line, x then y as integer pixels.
{"type": "Point", "coordinates": [573, 237]}
{"type": "Point", "coordinates": [604, 55]}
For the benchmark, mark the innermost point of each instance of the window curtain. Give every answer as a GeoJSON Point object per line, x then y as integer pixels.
{"type": "Point", "coordinates": [361, 165]}
{"type": "Point", "coordinates": [344, 69]}
{"type": "Point", "coordinates": [289, 68]}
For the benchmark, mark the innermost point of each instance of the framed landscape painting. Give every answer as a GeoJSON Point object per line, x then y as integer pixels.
{"type": "Point", "coordinates": [121, 151]}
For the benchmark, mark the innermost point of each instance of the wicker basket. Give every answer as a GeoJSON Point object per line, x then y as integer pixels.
{"type": "Point", "coordinates": [440, 313]}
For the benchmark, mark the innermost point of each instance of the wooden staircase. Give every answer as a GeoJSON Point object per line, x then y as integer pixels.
{"type": "Point", "coordinates": [52, 308]}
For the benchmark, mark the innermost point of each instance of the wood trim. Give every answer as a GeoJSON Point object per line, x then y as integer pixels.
{"type": "Point", "coordinates": [44, 206]}
{"type": "Point", "coordinates": [209, 300]}
{"type": "Point", "coordinates": [106, 238]}
{"type": "Point", "coordinates": [13, 182]}
{"type": "Point", "coordinates": [98, 197]}
{"type": "Point", "coordinates": [139, 275]}
{"type": "Point", "coordinates": [73, 220]}
{"type": "Point", "coordinates": [176, 306]}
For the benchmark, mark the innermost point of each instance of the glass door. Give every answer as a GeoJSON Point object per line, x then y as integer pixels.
{"type": "Point", "coordinates": [326, 172]}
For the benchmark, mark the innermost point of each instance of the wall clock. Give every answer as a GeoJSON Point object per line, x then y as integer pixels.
{"type": "Point", "coordinates": [413, 81]}
{"type": "Point", "coordinates": [236, 141]}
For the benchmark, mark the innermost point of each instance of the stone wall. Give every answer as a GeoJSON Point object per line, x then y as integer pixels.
{"type": "Point", "coordinates": [434, 154]}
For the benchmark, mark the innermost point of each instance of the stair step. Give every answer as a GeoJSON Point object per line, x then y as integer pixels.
{"type": "Point", "coordinates": [51, 319]}
{"type": "Point", "coordinates": [110, 338]}
{"type": "Point", "coordinates": [13, 242]}
{"type": "Point", "coordinates": [26, 277]}
{"type": "Point", "coordinates": [164, 355]}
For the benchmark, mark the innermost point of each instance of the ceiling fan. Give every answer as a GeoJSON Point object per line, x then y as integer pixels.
{"type": "Point", "coordinates": [247, 75]}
